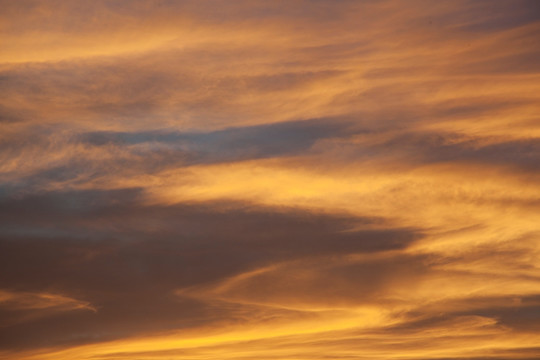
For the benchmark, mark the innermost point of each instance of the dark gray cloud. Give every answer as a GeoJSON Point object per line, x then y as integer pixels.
{"type": "Point", "coordinates": [128, 259]}
{"type": "Point", "coordinates": [406, 149]}
{"type": "Point", "coordinates": [499, 15]}
{"type": "Point", "coordinates": [157, 150]}
{"type": "Point", "coordinates": [515, 313]}
{"type": "Point", "coordinates": [444, 148]}
{"type": "Point", "coordinates": [270, 138]}
{"type": "Point", "coordinates": [523, 62]}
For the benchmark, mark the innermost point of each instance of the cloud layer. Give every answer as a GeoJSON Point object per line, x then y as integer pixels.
{"type": "Point", "coordinates": [304, 179]}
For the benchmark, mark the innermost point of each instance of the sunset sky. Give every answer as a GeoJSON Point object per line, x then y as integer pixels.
{"type": "Point", "coordinates": [270, 180]}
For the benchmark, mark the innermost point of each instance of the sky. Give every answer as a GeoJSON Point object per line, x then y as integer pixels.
{"type": "Point", "coordinates": [271, 180]}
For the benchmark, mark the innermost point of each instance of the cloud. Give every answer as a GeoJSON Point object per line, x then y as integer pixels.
{"type": "Point", "coordinates": [305, 179]}
{"type": "Point", "coordinates": [81, 157]}
{"type": "Point", "coordinates": [322, 283]}
{"type": "Point", "coordinates": [110, 250]}
{"type": "Point", "coordinates": [21, 301]}
{"type": "Point", "coordinates": [445, 148]}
